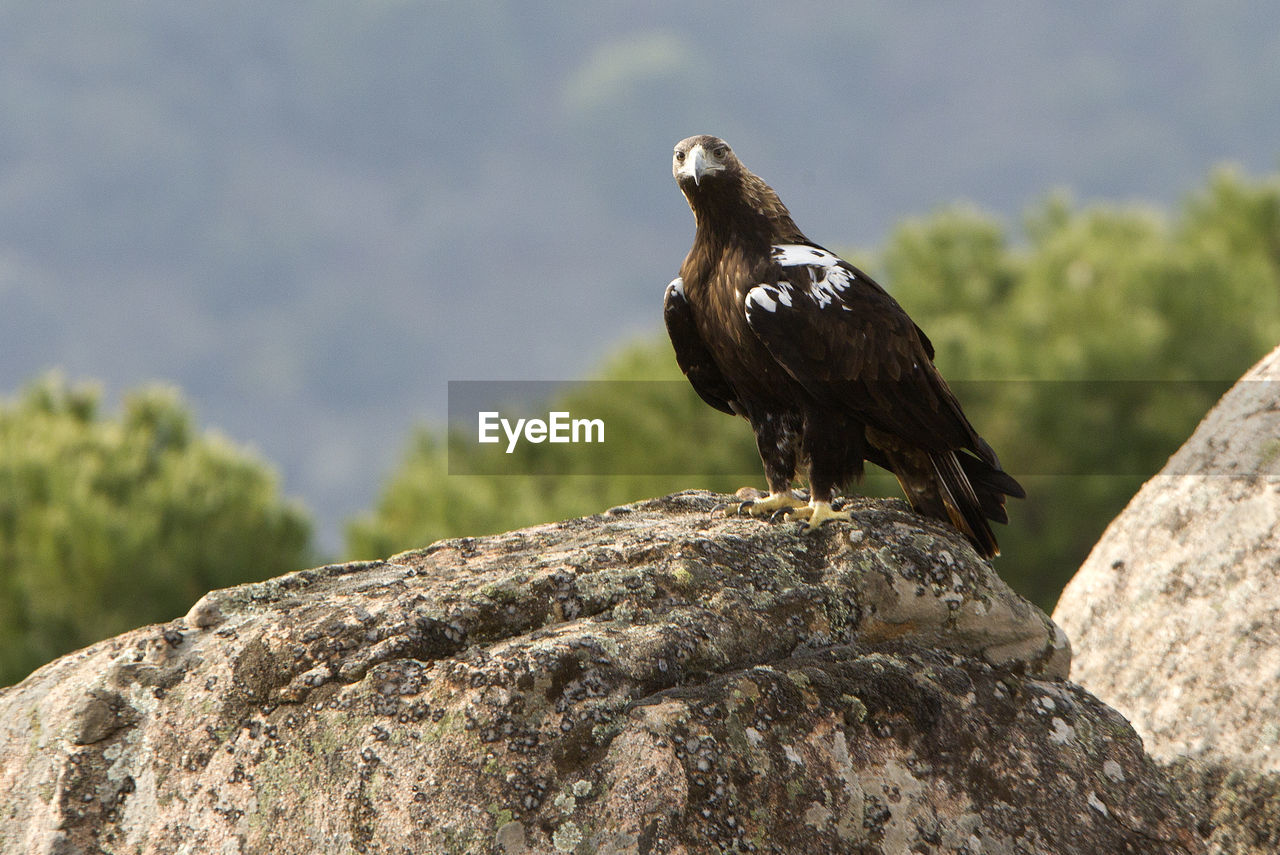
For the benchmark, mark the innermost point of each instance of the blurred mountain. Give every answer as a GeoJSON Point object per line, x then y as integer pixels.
{"type": "Point", "coordinates": [311, 216]}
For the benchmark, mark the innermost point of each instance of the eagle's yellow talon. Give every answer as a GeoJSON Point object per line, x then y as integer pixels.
{"type": "Point", "coordinates": [771, 505]}
{"type": "Point", "coordinates": [814, 514]}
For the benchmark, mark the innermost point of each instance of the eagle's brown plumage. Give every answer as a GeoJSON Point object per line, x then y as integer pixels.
{"type": "Point", "coordinates": [824, 364]}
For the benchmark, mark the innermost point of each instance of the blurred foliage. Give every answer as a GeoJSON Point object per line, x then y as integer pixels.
{"type": "Point", "coordinates": [1086, 354]}
{"type": "Point", "coordinates": [108, 523]}
{"type": "Point", "coordinates": [668, 427]}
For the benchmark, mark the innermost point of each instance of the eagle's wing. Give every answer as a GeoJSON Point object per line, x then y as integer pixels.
{"type": "Point", "coordinates": [852, 347]}
{"type": "Point", "coordinates": [692, 354]}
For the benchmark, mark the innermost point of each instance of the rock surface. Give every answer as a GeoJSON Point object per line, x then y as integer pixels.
{"type": "Point", "coordinates": [1176, 615]}
{"type": "Point", "coordinates": [647, 680]}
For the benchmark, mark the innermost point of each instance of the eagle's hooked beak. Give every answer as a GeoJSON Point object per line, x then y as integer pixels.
{"type": "Point", "coordinates": [695, 164]}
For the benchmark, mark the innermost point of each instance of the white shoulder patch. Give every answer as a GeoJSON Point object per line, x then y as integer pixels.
{"type": "Point", "coordinates": [761, 297]}
{"type": "Point", "coordinates": [764, 297]}
{"type": "Point", "coordinates": [676, 286]}
{"type": "Point", "coordinates": [793, 254]}
{"type": "Point", "coordinates": [769, 297]}
{"type": "Point", "coordinates": [829, 276]}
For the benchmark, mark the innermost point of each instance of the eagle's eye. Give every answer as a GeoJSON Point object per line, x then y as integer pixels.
{"type": "Point", "coordinates": [719, 152]}
{"type": "Point", "coordinates": [679, 157]}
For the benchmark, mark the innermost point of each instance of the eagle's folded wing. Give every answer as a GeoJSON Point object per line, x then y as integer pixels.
{"type": "Point", "coordinates": [852, 347]}
{"type": "Point", "coordinates": [691, 353]}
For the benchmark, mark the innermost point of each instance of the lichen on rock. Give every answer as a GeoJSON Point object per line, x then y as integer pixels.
{"type": "Point", "coordinates": [646, 680]}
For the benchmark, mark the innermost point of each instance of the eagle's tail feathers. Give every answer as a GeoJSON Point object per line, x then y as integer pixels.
{"type": "Point", "coordinates": [991, 485]}
{"type": "Point", "coordinates": [936, 486]}
{"type": "Point", "coordinates": [963, 506]}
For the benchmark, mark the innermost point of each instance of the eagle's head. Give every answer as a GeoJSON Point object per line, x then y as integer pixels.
{"type": "Point", "coordinates": [720, 191]}
{"type": "Point", "coordinates": [700, 159]}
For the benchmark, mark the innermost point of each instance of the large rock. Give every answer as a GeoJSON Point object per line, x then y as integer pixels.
{"type": "Point", "coordinates": [648, 680]}
{"type": "Point", "coordinates": [1176, 614]}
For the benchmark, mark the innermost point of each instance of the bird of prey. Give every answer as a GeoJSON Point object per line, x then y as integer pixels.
{"type": "Point", "coordinates": [822, 362]}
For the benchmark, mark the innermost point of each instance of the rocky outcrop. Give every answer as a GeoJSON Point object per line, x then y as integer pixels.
{"type": "Point", "coordinates": [1176, 615]}
{"type": "Point", "coordinates": [647, 680]}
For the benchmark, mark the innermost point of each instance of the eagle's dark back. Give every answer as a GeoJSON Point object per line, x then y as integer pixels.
{"type": "Point", "coordinates": [824, 364]}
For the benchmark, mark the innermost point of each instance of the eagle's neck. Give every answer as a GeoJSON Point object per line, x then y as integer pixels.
{"type": "Point", "coordinates": [742, 204]}
{"type": "Point", "coordinates": [735, 214]}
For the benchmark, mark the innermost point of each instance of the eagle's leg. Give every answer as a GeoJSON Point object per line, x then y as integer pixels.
{"type": "Point", "coordinates": [777, 439]}
{"type": "Point", "coordinates": [834, 446]}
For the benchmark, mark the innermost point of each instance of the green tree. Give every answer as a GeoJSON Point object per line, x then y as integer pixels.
{"type": "Point", "coordinates": [108, 523]}
{"type": "Point", "coordinates": [1085, 353]}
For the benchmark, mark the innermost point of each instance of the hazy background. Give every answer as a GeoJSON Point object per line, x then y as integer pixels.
{"type": "Point", "coordinates": [312, 216]}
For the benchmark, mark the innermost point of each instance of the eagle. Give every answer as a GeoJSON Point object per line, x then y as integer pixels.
{"type": "Point", "coordinates": [822, 362]}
